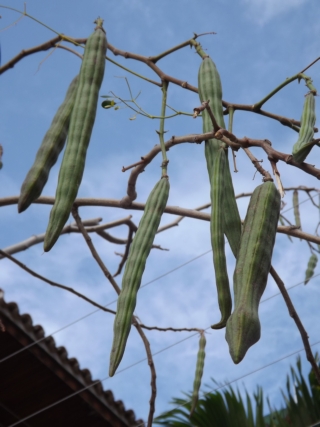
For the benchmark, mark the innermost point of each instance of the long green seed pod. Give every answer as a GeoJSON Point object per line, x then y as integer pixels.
{"type": "Point", "coordinates": [308, 119]}
{"type": "Point", "coordinates": [295, 202]}
{"type": "Point", "coordinates": [139, 251]}
{"type": "Point", "coordinates": [48, 153]}
{"type": "Point", "coordinates": [210, 88]}
{"type": "Point", "coordinates": [81, 124]}
{"type": "Point", "coordinates": [217, 238]}
{"type": "Point", "coordinates": [199, 371]}
{"type": "Point", "coordinates": [252, 268]}
{"type": "Point", "coordinates": [232, 220]}
{"type": "Point", "coordinates": [311, 267]}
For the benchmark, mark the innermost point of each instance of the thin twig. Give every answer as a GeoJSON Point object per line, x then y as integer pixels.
{"type": "Point", "coordinates": [294, 315]}
{"type": "Point", "coordinates": [42, 47]}
{"type": "Point", "coordinates": [108, 275]}
{"type": "Point", "coordinates": [157, 328]}
{"type": "Point", "coordinates": [176, 222]}
{"type": "Point", "coordinates": [126, 253]}
{"type": "Point", "coordinates": [257, 165]}
{"type": "Point", "coordinates": [50, 282]}
{"type": "Point", "coordinates": [34, 240]}
{"type": "Point", "coordinates": [94, 253]}
{"type": "Point", "coordinates": [152, 370]}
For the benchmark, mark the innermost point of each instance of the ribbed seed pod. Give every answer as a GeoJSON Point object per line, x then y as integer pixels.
{"type": "Point", "coordinates": [311, 267]}
{"type": "Point", "coordinates": [217, 238]}
{"type": "Point", "coordinates": [48, 153]}
{"type": "Point", "coordinates": [81, 124]}
{"type": "Point", "coordinates": [199, 372]}
{"type": "Point", "coordinates": [295, 202]}
{"type": "Point", "coordinates": [308, 119]}
{"type": "Point", "coordinates": [224, 205]}
{"type": "Point", "coordinates": [252, 268]}
{"type": "Point", "coordinates": [139, 251]}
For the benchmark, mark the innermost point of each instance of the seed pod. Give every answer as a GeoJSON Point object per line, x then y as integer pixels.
{"type": "Point", "coordinates": [224, 208]}
{"type": "Point", "coordinates": [210, 89]}
{"type": "Point", "coordinates": [48, 153]}
{"type": "Point", "coordinates": [308, 119]}
{"type": "Point", "coordinates": [139, 251]}
{"type": "Point", "coordinates": [199, 371]}
{"type": "Point", "coordinates": [295, 202]}
{"type": "Point", "coordinates": [232, 220]}
{"type": "Point", "coordinates": [217, 238]}
{"type": "Point", "coordinates": [81, 124]}
{"type": "Point", "coordinates": [311, 267]}
{"type": "Point", "coordinates": [252, 268]}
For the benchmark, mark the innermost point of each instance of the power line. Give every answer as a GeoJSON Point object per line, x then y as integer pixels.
{"type": "Point", "coordinates": [146, 284]}
{"type": "Point", "coordinates": [98, 309]}
{"type": "Point", "coordinates": [142, 360]}
{"type": "Point", "coordinates": [112, 302]}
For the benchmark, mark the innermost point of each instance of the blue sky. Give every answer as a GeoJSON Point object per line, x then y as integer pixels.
{"type": "Point", "coordinates": [258, 44]}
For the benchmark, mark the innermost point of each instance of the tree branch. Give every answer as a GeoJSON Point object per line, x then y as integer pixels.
{"type": "Point", "coordinates": [50, 282]}
{"type": "Point", "coordinates": [297, 321]}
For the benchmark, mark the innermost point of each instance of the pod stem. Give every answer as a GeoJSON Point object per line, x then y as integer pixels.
{"type": "Point", "coordinates": [297, 76]}
{"type": "Point", "coordinates": [161, 132]}
{"type": "Point", "coordinates": [199, 48]}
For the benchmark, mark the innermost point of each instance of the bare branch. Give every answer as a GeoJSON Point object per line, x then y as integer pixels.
{"type": "Point", "coordinates": [152, 369]}
{"type": "Point", "coordinates": [157, 328]}
{"type": "Point", "coordinates": [297, 321]}
{"type": "Point", "coordinates": [94, 253]}
{"type": "Point", "coordinates": [50, 282]}
{"type": "Point", "coordinates": [257, 165]}
{"type": "Point", "coordinates": [34, 240]}
{"type": "Point", "coordinates": [42, 47]}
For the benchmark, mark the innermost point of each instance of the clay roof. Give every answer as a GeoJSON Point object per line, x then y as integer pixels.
{"type": "Point", "coordinates": [35, 373]}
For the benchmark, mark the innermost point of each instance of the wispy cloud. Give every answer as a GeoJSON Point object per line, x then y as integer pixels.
{"type": "Point", "coordinates": [262, 11]}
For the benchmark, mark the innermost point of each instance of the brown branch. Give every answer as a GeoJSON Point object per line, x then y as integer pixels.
{"type": "Point", "coordinates": [34, 240]}
{"type": "Point", "coordinates": [273, 155]}
{"type": "Point", "coordinates": [108, 275]}
{"type": "Point", "coordinates": [152, 370]}
{"type": "Point", "coordinates": [42, 47]}
{"type": "Point", "coordinates": [294, 315]}
{"type": "Point", "coordinates": [257, 165]}
{"type": "Point", "coordinates": [157, 328]}
{"type": "Point", "coordinates": [176, 222]}
{"type": "Point", "coordinates": [150, 61]}
{"type": "Point", "coordinates": [94, 253]}
{"type": "Point", "coordinates": [50, 282]}
{"type": "Point", "coordinates": [126, 253]}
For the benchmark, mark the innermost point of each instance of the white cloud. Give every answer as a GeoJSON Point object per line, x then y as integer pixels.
{"type": "Point", "coordinates": [262, 11]}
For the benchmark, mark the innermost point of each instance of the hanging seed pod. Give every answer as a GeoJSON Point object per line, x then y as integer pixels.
{"type": "Point", "coordinates": [308, 119]}
{"type": "Point", "coordinates": [252, 268]}
{"type": "Point", "coordinates": [199, 371]}
{"type": "Point", "coordinates": [217, 238]}
{"type": "Point", "coordinates": [311, 267]}
{"type": "Point", "coordinates": [225, 217]}
{"type": "Point", "coordinates": [81, 124]}
{"type": "Point", "coordinates": [48, 153]}
{"type": "Point", "coordinates": [139, 251]}
{"type": "Point", "coordinates": [295, 202]}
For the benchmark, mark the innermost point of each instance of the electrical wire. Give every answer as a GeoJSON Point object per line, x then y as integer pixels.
{"type": "Point", "coordinates": [144, 359]}
{"type": "Point", "coordinates": [114, 301]}
{"type": "Point", "coordinates": [98, 309]}
{"type": "Point", "coordinates": [146, 284]}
